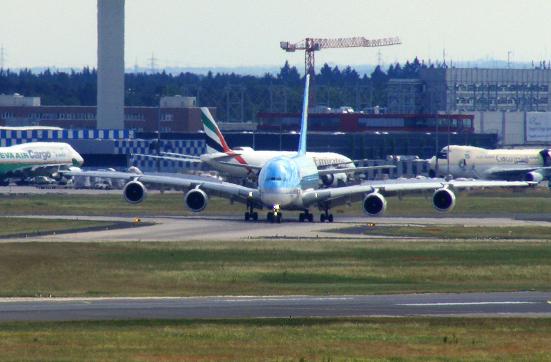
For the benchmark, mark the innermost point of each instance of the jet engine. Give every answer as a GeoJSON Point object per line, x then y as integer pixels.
{"type": "Point", "coordinates": [196, 200]}
{"type": "Point", "coordinates": [533, 176]}
{"type": "Point", "coordinates": [134, 192]}
{"type": "Point", "coordinates": [443, 200]}
{"type": "Point", "coordinates": [374, 204]}
{"type": "Point", "coordinates": [334, 179]}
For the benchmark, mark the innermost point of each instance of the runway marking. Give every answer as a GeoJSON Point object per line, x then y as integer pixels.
{"type": "Point", "coordinates": [462, 303]}
{"type": "Point", "coordinates": [261, 299]}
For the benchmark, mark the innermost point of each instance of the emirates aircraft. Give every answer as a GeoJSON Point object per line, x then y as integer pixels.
{"type": "Point", "coordinates": [36, 158]}
{"type": "Point", "coordinates": [334, 169]}
{"type": "Point", "coordinates": [499, 164]}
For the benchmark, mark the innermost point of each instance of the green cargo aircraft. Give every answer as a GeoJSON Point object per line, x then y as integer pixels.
{"type": "Point", "coordinates": [36, 159]}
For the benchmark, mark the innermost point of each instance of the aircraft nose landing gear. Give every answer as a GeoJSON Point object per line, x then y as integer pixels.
{"type": "Point", "coordinates": [274, 215]}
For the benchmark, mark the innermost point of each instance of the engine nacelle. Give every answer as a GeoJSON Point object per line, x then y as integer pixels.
{"type": "Point", "coordinates": [334, 179]}
{"type": "Point", "coordinates": [134, 192]}
{"type": "Point", "coordinates": [533, 176]}
{"type": "Point", "coordinates": [196, 200]}
{"type": "Point", "coordinates": [443, 200]}
{"type": "Point", "coordinates": [374, 204]}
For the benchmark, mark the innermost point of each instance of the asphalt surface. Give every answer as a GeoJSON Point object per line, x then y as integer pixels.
{"type": "Point", "coordinates": [524, 304]}
{"type": "Point", "coordinates": [205, 228]}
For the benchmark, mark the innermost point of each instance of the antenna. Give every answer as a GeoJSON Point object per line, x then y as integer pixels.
{"type": "Point", "coordinates": [153, 64]}
{"type": "Point", "coordinates": [2, 56]}
{"type": "Point", "coordinates": [509, 52]}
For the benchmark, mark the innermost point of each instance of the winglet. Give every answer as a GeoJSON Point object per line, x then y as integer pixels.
{"type": "Point", "coordinates": [215, 139]}
{"type": "Point", "coordinates": [304, 120]}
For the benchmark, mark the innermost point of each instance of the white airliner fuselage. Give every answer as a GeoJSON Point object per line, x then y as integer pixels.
{"type": "Point", "coordinates": [480, 163]}
{"type": "Point", "coordinates": [28, 158]}
{"type": "Point", "coordinates": [258, 159]}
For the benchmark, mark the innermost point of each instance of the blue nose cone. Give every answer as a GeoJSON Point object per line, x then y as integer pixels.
{"type": "Point", "coordinates": [278, 173]}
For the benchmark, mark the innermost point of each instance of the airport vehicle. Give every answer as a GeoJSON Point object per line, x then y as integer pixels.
{"type": "Point", "coordinates": [292, 183]}
{"type": "Point", "coordinates": [36, 159]}
{"type": "Point", "coordinates": [499, 164]}
{"type": "Point", "coordinates": [243, 162]}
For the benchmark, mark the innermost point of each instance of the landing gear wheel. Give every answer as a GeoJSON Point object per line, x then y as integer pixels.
{"type": "Point", "coordinates": [270, 217]}
{"type": "Point", "coordinates": [278, 218]}
{"type": "Point", "coordinates": [326, 216]}
{"type": "Point", "coordinates": [255, 216]}
{"type": "Point", "coordinates": [310, 218]}
{"type": "Point", "coordinates": [301, 217]}
{"type": "Point", "coordinates": [247, 216]}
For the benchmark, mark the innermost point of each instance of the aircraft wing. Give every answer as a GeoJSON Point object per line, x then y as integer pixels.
{"type": "Point", "coordinates": [327, 171]}
{"type": "Point", "coordinates": [170, 158]}
{"type": "Point", "coordinates": [178, 155]}
{"type": "Point", "coordinates": [219, 188]}
{"type": "Point", "coordinates": [339, 195]}
{"type": "Point", "coordinates": [504, 172]}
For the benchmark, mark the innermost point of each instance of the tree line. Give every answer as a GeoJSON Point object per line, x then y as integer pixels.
{"type": "Point", "coordinates": [237, 97]}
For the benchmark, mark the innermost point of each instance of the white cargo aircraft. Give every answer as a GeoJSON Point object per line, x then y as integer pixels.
{"type": "Point", "coordinates": [292, 183]}
{"type": "Point", "coordinates": [500, 164]}
{"type": "Point", "coordinates": [36, 158]}
{"type": "Point", "coordinates": [334, 169]}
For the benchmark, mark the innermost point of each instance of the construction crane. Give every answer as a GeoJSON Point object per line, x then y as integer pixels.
{"type": "Point", "coordinates": [311, 45]}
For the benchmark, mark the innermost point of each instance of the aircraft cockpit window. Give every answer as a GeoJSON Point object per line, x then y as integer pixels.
{"type": "Point", "coordinates": [275, 179]}
{"type": "Point", "coordinates": [442, 155]}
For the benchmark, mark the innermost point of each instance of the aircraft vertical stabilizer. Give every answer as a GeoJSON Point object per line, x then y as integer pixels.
{"type": "Point", "coordinates": [304, 120]}
{"type": "Point", "coordinates": [214, 138]}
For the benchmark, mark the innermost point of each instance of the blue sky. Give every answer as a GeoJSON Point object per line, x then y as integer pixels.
{"type": "Point", "coordinates": [210, 33]}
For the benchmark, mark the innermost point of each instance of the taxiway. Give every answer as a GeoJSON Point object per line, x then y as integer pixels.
{"type": "Point", "coordinates": [223, 228]}
{"type": "Point", "coordinates": [468, 304]}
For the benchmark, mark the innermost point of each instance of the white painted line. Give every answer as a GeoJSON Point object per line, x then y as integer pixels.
{"type": "Point", "coordinates": [463, 303]}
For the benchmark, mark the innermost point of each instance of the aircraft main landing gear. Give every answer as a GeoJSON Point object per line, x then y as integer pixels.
{"type": "Point", "coordinates": [326, 216]}
{"type": "Point", "coordinates": [251, 214]}
{"type": "Point", "coordinates": [305, 216]}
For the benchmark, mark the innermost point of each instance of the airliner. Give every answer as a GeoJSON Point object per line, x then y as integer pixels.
{"type": "Point", "coordinates": [499, 164]}
{"type": "Point", "coordinates": [291, 183]}
{"type": "Point", "coordinates": [36, 158]}
{"type": "Point", "coordinates": [243, 162]}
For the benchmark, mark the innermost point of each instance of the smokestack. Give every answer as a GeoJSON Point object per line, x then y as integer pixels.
{"type": "Point", "coordinates": [110, 111]}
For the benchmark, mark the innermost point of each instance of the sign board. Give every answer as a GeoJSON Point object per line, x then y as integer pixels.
{"type": "Point", "coordinates": [538, 127]}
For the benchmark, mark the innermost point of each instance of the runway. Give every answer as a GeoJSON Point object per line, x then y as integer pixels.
{"type": "Point", "coordinates": [523, 304]}
{"type": "Point", "coordinates": [227, 228]}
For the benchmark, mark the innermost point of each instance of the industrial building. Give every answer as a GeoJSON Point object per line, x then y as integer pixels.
{"type": "Point", "coordinates": [515, 104]}
{"type": "Point", "coordinates": [176, 114]}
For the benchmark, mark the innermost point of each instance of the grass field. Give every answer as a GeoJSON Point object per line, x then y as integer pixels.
{"type": "Point", "coordinates": [455, 231]}
{"type": "Point", "coordinates": [420, 339]}
{"type": "Point", "coordinates": [12, 226]}
{"type": "Point", "coordinates": [501, 202]}
{"type": "Point", "coordinates": [271, 268]}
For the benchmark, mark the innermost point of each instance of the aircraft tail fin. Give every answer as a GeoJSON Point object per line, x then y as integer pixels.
{"type": "Point", "coordinates": [214, 138]}
{"type": "Point", "coordinates": [304, 120]}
